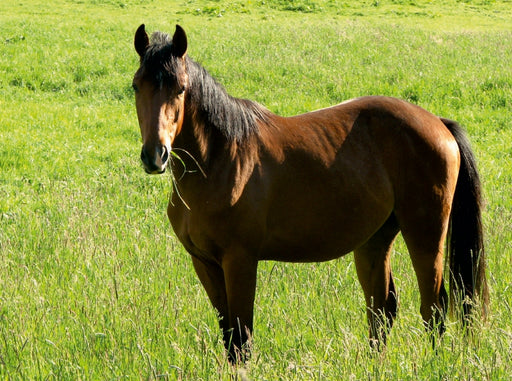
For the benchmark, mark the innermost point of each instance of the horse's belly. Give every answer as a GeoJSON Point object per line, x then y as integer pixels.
{"type": "Point", "coordinates": [322, 238]}
{"type": "Point", "coordinates": [295, 252]}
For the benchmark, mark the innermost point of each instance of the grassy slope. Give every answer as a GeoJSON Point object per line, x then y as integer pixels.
{"type": "Point", "coordinates": [92, 282]}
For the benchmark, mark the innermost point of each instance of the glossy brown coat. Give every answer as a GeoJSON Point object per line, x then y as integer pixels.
{"type": "Point", "coordinates": [250, 186]}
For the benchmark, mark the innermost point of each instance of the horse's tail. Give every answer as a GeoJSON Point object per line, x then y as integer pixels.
{"type": "Point", "coordinates": [466, 255]}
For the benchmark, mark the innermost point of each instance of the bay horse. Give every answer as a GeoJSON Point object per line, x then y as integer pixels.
{"type": "Point", "coordinates": [249, 185]}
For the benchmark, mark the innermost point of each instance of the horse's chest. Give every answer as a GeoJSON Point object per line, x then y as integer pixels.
{"type": "Point", "coordinates": [191, 233]}
{"type": "Point", "coordinates": [208, 234]}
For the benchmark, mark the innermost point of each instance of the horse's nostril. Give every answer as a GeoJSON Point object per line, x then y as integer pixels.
{"type": "Point", "coordinates": [165, 154]}
{"type": "Point", "coordinates": [154, 159]}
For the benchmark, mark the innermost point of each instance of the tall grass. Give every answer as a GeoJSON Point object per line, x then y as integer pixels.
{"type": "Point", "coordinates": [93, 283]}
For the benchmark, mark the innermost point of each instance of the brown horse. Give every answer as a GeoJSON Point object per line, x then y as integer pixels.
{"type": "Point", "coordinates": [250, 186]}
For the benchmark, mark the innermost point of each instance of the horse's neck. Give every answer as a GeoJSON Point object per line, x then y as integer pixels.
{"type": "Point", "coordinates": [210, 162]}
{"type": "Point", "coordinates": [220, 133]}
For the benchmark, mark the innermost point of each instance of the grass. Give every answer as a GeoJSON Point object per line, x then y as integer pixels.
{"type": "Point", "coordinates": [93, 284]}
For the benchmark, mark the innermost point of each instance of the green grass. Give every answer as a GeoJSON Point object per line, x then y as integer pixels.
{"type": "Point", "coordinates": [93, 283]}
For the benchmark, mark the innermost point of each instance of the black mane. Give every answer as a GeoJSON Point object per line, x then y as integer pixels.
{"type": "Point", "coordinates": [235, 118]}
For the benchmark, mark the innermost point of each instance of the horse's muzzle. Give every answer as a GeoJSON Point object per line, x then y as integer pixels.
{"type": "Point", "coordinates": [155, 160]}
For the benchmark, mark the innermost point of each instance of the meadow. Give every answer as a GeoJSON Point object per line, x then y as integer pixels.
{"type": "Point", "coordinates": [93, 283]}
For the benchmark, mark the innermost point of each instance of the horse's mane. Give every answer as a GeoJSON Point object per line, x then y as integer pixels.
{"type": "Point", "coordinates": [235, 118]}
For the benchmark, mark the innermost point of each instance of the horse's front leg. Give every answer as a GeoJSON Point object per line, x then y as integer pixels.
{"type": "Point", "coordinates": [240, 272]}
{"type": "Point", "coordinates": [211, 276]}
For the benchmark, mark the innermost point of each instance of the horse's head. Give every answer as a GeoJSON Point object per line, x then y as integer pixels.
{"type": "Point", "coordinates": [160, 84]}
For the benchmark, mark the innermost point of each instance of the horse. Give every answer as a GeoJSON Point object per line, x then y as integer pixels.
{"type": "Point", "coordinates": [250, 186]}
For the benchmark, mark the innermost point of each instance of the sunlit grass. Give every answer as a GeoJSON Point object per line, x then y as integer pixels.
{"type": "Point", "coordinates": [93, 283]}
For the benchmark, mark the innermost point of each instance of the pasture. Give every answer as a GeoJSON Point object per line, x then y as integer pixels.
{"type": "Point", "coordinates": [93, 283]}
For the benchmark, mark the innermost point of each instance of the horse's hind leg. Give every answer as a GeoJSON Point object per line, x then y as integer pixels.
{"type": "Point", "coordinates": [425, 239]}
{"type": "Point", "coordinates": [374, 273]}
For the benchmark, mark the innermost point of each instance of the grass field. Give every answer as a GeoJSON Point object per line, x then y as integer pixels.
{"type": "Point", "coordinates": [93, 283]}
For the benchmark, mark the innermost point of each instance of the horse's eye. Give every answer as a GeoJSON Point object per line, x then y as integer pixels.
{"type": "Point", "coordinates": [182, 90]}
{"type": "Point", "coordinates": [135, 87]}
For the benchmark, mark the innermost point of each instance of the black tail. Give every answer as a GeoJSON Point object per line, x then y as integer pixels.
{"type": "Point", "coordinates": [466, 255]}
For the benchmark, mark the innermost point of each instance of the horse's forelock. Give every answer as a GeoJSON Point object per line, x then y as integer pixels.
{"type": "Point", "coordinates": [159, 38]}
{"type": "Point", "coordinates": [158, 60]}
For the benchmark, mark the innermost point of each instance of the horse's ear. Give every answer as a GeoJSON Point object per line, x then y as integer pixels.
{"type": "Point", "coordinates": [141, 40]}
{"type": "Point", "coordinates": [179, 42]}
